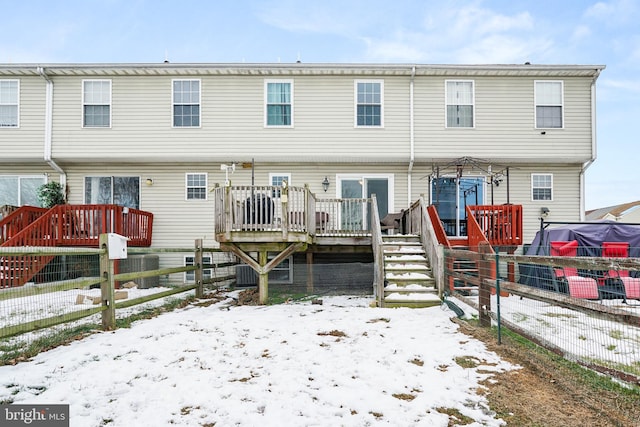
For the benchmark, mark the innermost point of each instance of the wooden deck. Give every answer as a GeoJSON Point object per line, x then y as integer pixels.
{"type": "Point", "coordinates": [65, 225]}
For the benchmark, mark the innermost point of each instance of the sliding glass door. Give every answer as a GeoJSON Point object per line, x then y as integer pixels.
{"type": "Point", "coordinates": [451, 195]}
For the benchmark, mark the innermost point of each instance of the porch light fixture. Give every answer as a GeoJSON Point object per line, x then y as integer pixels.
{"type": "Point", "coordinates": [149, 182]}
{"type": "Point", "coordinates": [544, 212]}
{"type": "Point", "coordinates": [325, 184]}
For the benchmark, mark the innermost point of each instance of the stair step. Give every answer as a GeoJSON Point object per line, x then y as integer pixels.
{"type": "Point", "coordinates": [400, 258]}
{"type": "Point", "coordinates": [413, 288]}
{"type": "Point", "coordinates": [406, 266]}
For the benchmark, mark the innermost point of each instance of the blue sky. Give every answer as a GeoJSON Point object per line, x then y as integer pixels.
{"type": "Point", "coordinates": [368, 31]}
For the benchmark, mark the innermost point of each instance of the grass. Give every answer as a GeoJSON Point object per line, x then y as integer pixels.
{"type": "Point", "coordinates": [587, 376]}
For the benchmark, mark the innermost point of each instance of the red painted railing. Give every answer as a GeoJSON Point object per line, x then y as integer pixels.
{"type": "Point", "coordinates": [502, 225]}
{"type": "Point", "coordinates": [71, 225]}
{"type": "Point", "coordinates": [17, 220]}
{"type": "Point", "coordinates": [441, 235]}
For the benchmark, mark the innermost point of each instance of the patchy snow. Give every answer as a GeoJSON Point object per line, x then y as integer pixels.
{"type": "Point", "coordinates": [406, 267]}
{"type": "Point", "coordinates": [405, 258]}
{"type": "Point", "coordinates": [340, 363]}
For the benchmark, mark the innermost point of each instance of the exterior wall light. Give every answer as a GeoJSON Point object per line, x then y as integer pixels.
{"type": "Point", "coordinates": [149, 182]}
{"type": "Point", "coordinates": [544, 212]}
{"type": "Point", "coordinates": [325, 184]}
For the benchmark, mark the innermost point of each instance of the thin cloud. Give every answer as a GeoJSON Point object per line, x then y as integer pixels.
{"type": "Point", "coordinates": [614, 13]}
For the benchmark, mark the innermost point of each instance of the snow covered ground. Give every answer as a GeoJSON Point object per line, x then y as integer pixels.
{"type": "Point", "coordinates": [341, 363]}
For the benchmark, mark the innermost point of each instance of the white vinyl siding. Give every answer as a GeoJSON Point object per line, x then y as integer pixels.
{"type": "Point", "coordinates": [96, 103]}
{"type": "Point", "coordinates": [541, 187]}
{"type": "Point", "coordinates": [9, 103]}
{"type": "Point", "coordinates": [186, 103]}
{"type": "Point", "coordinates": [549, 100]}
{"type": "Point", "coordinates": [460, 103]}
{"type": "Point", "coordinates": [278, 107]}
{"type": "Point", "coordinates": [196, 186]}
{"type": "Point", "coordinates": [369, 108]}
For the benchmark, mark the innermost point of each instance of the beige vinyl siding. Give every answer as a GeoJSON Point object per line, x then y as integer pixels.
{"type": "Point", "coordinates": [504, 123]}
{"type": "Point", "coordinates": [232, 122]}
{"type": "Point", "coordinates": [25, 142]}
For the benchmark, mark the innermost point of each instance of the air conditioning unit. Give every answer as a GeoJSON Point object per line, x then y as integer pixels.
{"type": "Point", "coordinates": [134, 263]}
{"type": "Point", "coordinates": [246, 276]}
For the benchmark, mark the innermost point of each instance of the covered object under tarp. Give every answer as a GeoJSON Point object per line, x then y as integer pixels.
{"type": "Point", "coordinates": [589, 236]}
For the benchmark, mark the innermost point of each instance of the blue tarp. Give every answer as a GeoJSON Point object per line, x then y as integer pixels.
{"type": "Point", "coordinates": [590, 237]}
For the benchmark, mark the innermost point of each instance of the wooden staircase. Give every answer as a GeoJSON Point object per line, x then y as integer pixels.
{"type": "Point", "coordinates": [408, 278]}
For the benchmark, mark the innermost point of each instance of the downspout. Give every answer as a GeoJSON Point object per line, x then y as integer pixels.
{"type": "Point", "coordinates": [587, 164]}
{"type": "Point", "coordinates": [48, 130]}
{"type": "Point", "coordinates": [411, 137]}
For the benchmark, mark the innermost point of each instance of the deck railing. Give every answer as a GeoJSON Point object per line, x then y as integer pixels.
{"type": "Point", "coordinates": [284, 209]}
{"type": "Point", "coordinates": [17, 220]}
{"type": "Point", "coordinates": [71, 225]}
{"type": "Point", "coordinates": [502, 225]}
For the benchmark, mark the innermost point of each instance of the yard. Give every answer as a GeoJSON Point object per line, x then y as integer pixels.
{"type": "Point", "coordinates": [215, 362]}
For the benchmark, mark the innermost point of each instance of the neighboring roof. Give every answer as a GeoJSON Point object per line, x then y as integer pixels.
{"type": "Point", "coordinates": [615, 211]}
{"type": "Point", "coordinates": [84, 69]}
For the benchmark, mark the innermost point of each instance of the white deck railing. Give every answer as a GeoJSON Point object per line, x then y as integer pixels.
{"type": "Point", "coordinates": [288, 210]}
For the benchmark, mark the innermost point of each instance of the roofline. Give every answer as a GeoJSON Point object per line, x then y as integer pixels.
{"type": "Point", "coordinates": [301, 68]}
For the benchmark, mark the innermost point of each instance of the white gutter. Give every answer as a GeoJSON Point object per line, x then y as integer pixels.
{"type": "Point", "coordinates": [48, 129]}
{"type": "Point", "coordinates": [411, 138]}
{"type": "Point", "coordinates": [594, 147]}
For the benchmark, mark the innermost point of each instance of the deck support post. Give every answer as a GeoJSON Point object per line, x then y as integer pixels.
{"type": "Point", "coordinates": [263, 278]}
{"type": "Point", "coordinates": [199, 272]}
{"type": "Point", "coordinates": [309, 272]}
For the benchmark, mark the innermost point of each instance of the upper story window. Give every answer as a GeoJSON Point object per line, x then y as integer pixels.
{"type": "Point", "coordinates": [96, 103]}
{"type": "Point", "coordinates": [279, 103]}
{"type": "Point", "coordinates": [186, 103]}
{"type": "Point", "coordinates": [541, 186]}
{"type": "Point", "coordinates": [460, 103]}
{"type": "Point", "coordinates": [196, 186]}
{"type": "Point", "coordinates": [549, 104]}
{"type": "Point", "coordinates": [369, 99]}
{"type": "Point", "coordinates": [9, 103]}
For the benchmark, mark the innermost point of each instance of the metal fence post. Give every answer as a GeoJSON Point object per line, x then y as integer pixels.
{"type": "Point", "coordinates": [107, 286]}
{"type": "Point", "coordinates": [199, 272]}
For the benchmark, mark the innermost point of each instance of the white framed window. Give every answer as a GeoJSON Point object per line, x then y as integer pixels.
{"type": "Point", "coordinates": [369, 95]}
{"type": "Point", "coordinates": [283, 272]}
{"type": "Point", "coordinates": [196, 186]}
{"type": "Point", "coordinates": [186, 103]}
{"type": "Point", "coordinates": [20, 190]}
{"type": "Point", "coordinates": [9, 103]}
{"type": "Point", "coordinates": [460, 99]}
{"type": "Point", "coordinates": [96, 103]}
{"type": "Point", "coordinates": [541, 186]}
{"type": "Point", "coordinates": [549, 101]}
{"type": "Point", "coordinates": [278, 103]}
{"type": "Point", "coordinates": [190, 276]}
{"type": "Point", "coordinates": [277, 179]}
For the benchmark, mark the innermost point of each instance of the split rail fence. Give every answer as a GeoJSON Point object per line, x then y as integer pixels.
{"type": "Point", "coordinates": [87, 296]}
